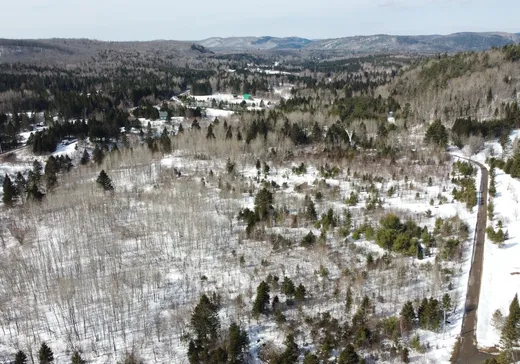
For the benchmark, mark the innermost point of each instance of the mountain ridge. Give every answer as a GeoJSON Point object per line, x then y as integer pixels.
{"type": "Point", "coordinates": [455, 42]}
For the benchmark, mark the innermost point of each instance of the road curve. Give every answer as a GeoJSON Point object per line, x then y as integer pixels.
{"type": "Point", "coordinates": [468, 352]}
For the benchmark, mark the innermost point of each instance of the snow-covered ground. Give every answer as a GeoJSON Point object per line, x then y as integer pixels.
{"type": "Point", "coordinates": [501, 272]}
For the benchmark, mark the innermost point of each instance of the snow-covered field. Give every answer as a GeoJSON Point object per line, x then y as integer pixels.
{"type": "Point", "coordinates": [125, 270]}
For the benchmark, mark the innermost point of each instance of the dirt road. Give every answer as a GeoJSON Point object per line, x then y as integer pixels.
{"type": "Point", "coordinates": [468, 351]}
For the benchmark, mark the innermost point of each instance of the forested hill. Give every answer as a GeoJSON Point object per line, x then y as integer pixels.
{"type": "Point", "coordinates": [380, 43]}
{"type": "Point", "coordinates": [70, 50]}
{"type": "Point", "coordinates": [479, 85]}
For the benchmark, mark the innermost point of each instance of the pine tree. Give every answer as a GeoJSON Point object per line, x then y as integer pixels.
{"type": "Point", "coordinates": [205, 321]}
{"type": "Point", "coordinates": [85, 158]}
{"type": "Point", "coordinates": [50, 174]}
{"type": "Point", "coordinates": [237, 344]}
{"type": "Point", "coordinates": [300, 293]}
{"type": "Point", "coordinates": [407, 316]}
{"type": "Point", "coordinates": [166, 143]}
{"type": "Point", "coordinates": [310, 210]}
{"type": "Point", "coordinates": [210, 134]}
{"type": "Point", "coordinates": [77, 359]}
{"type": "Point", "coordinates": [229, 133]}
{"type": "Point", "coordinates": [291, 352]}
{"type": "Point", "coordinates": [288, 287]}
{"type": "Point", "coordinates": [20, 358]}
{"type": "Point", "coordinates": [98, 155]}
{"type": "Point", "coordinates": [262, 299]}
{"type": "Point", "coordinates": [348, 300]}
{"type": "Point", "coordinates": [45, 355]}
{"type": "Point", "coordinates": [21, 184]}
{"type": "Point", "coordinates": [263, 204]}
{"type": "Point", "coordinates": [9, 190]}
{"type": "Point", "coordinates": [349, 356]}
{"type": "Point", "coordinates": [511, 329]}
{"type": "Point", "coordinates": [446, 303]}
{"type": "Point", "coordinates": [104, 181]}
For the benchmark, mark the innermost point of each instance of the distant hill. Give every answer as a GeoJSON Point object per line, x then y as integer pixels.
{"type": "Point", "coordinates": [380, 43]}
{"type": "Point", "coordinates": [254, 43]}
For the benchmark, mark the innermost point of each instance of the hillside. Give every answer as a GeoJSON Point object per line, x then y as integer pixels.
{"type": "Point", "coordinates": [476, 85]}
{"type": "Point", "coordinates": [380, 43]}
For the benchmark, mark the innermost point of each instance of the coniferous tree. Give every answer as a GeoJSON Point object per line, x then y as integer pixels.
{"type": "Point", "coordinates": [20, 358]}
{"type": "Point", "coordinates": [263, 204]}
{"type": "Point", "coordinates": [9, 190]}
{"type": "Point", "coordinates": [348, 300]}
{"type": "Point", "coordinates": [77, 359]}
{"type": "Point", "coordinates": [310, 210]}
{"type": "Point", "coordinates": [50, 174]}
{"type": "Point", "coordinates": [45, 355]}
{"type": "Point", "coordinates": [291, 352]}
{"type": "Point", "coordinates": [407, 317]}
{"type": "Point", "coordinates": [98, 155]}
{"type": "Point", "coordinates": [104, 181]}
{"type": "Point", "coordinates": [205, 324]}
{"type": "Point", "coordinates": [210, 134]}
{"type": "Point", "coordinates": [349, 356]}
{"type": "Point", "coordinates": [166, 143]}
{"type": "Point", "coordinates": [21, 184]}
{"type": "Point", "coordinates": [511, 330]}
{"type": "Point", "coordinates": [85, 158]}
{"type": "Point", "coordinates": [229, 133]}
{"type": "Point", "coordinates": [237, 344]}
{"type": "Point", "coordinates": [288, 287]}
{"type": "Point", "coordinates": [262, 299]}
{"type": "Point", "coordinates": [299, 294]}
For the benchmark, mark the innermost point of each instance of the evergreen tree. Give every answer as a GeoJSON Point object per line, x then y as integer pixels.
{"type": "Point", "coordinates": [166, 143]}
{"type": "Point", "coordinates": [50, 174]}
{"type": "Point", "coordinates": [98, 155]}
{"type": "Point", "coordinates": [349, 356]}
{"type": "Point", "coordinates": [9, 190]}
{"type": "Point", "coordinates": [210, 134]}
{"type": "Point", "coordinates": [310, 210]}
{"type": "Point", "coordinates": [437, 134]}
{"type": "Point", "coordinates": [77, 359]}
{"type": "Point", "coordinates": [21, 184]}
{"type": "Point", "coordinates": [229, 133]}
{"type": "Point", "coordinates": [300, 293]}
{"type": "Point", "coordinates": [446, 303]}
{"type": "Point", "coordinates": [237, 344]}
{"type": "Point", "coordinates": [85, 158]}
{"type": "Point", "coordinates": [311, 358]}
{"type": "Point", "coordinates": [20, 358]}
{"type": "Point", "coordinates": [288, 287]}
{"type": "Point", "coordinates": [104, 181]}
{"type": "Point", "coordinates": [291, 352]}
{"type": "Point", "coordinates": [263, 204]}
{"type": "Point", "coordinates": [348, 300]}
{"type": "Point", "coordinates": [407, 316]}
{"type": "Point", "coordinates": [262, 299]}
{"type": "Point", "coordinates": [205, 324]}
{"type": "Point", "coordinates": [511, 329]}
{"type": "Point", "coordinates": [45, 355]}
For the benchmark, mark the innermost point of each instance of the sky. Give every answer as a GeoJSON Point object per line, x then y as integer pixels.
{"type": "Point", "coordinates": [199, 19]}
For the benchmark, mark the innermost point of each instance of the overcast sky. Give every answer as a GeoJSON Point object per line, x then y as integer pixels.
{"type": "Point", "coordinates": [199, 19]}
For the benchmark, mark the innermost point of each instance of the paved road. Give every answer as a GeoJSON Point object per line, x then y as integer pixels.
{"type": "Point", "coordinates": [468, 351]}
